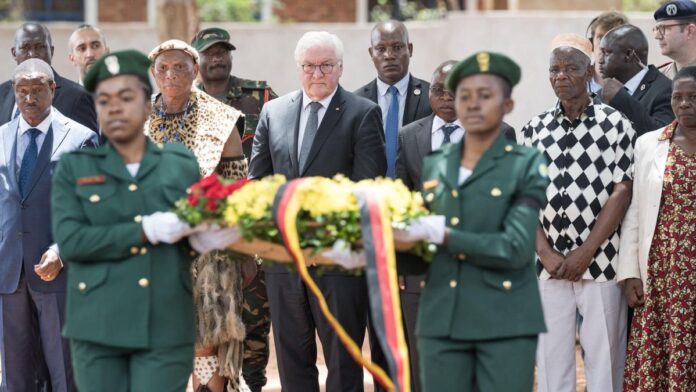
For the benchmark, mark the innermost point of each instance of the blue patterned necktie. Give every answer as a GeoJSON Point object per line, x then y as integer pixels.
{"type": "Point", "coordinates": [392, 130]}
{"type": "Point", "coordinates": [448, 130]}
{"type": "Point", "coordinates": [28, 160]}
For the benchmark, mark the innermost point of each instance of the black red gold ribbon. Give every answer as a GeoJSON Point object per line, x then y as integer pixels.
{"type": "Point", "coordinates": [381, 278]}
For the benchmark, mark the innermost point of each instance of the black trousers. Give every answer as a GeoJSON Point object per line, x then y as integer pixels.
{"type": "Point", "coordinates": [295, 316]}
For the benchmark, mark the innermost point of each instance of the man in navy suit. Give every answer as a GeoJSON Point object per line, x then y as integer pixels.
{"type": "Point", "coordinates": [33, 41]}
{"type": "Point", "coordinates": [321, 130]}
{"type": "Point", "coordinates": [32, 275]}
{"type": "Point", "coordinates": [402, 98]}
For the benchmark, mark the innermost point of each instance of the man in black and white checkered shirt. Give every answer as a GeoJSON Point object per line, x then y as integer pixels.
{"type": "Point", "coordinates": [589, 147]}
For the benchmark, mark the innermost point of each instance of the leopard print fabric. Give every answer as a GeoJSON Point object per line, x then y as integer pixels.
{"type": "Point", "coordinates": [204, 128]}
{"type": "Point", "coordinates": [233, 168]}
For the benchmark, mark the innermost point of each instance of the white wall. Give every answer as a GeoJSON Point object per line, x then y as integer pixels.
{"type": "Point", "coordinates": [266, 51]}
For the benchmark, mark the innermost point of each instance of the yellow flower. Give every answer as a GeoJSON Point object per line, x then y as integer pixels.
{"type": "Point", "coordinates": [254, 200]}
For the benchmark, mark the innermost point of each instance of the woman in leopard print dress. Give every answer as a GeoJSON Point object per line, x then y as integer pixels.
{"type": "Point", "coordinates": [184, 114]}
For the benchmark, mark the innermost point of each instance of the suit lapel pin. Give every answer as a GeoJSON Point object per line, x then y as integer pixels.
{"type": "Point", "coordinates": [417, 91]}
{"type": "Point", "coordinates": [642, 87]}
{"type": "Point", "coordinates": [338, 108]}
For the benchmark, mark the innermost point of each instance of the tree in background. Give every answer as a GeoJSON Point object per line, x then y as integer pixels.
{"type": "Point", "coordinates": [177, 19]}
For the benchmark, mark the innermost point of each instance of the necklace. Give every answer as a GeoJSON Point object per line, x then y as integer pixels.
{"type": "Point", "coordinates": [161, 112]}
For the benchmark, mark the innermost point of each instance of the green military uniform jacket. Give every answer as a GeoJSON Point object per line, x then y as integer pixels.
{"type": "Point", "coordinates": [247, 96]}
{"type": "Point", "coordinates": [482, 283]}
{"type": "Point", "coordinates": [123, 291]}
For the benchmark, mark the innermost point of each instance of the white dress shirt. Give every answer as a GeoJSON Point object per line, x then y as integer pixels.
{"type": "Point", "coordinates": [23, 137]}
{"type": "Point", "coordinates": [304, 114]}
{"type": "Point", "coordinates": [384, 99]}
{"type": "Point", "coordinates": [438, 135]}
{"type": "Point", "coordinates": [633, 83]}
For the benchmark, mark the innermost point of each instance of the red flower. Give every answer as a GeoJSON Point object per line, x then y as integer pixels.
{"type": "Point", "coordinates": [231, 188]}
{"type": "Point", "coordinates": [192, 200]}
{"type": "Point", "coordinates": [209, 181]}
{"type": "Point", "coordinates": [211, 205]}
{"type": "Point", "coordinates": [215, 191]}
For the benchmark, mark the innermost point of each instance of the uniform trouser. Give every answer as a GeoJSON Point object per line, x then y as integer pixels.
{"type": "Point", "coordinates": [296, 317]}
{"type": "Point", "coordinates": [602, 335]}
{"type": "Point", "coordinates": [499, 365]}
{"type": "Point", "coordinates": [257, 321]}
{"type": "Point", "coordinates": [100, 368]}
{"type": "Point", "coordinates": [32, 341]}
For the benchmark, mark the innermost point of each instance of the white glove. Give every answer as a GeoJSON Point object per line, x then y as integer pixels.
{"type": "Point", "coordinates": [426, 228]}
{"type": "Point", "coordinates": [215, 238]}
{"type": "Point", "coordinates": [344, 256]}
{"type": "Point", "coordinates": [164, 227]}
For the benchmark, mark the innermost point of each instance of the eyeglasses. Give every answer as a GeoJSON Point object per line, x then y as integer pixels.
{"type": "Point", "coordinates": [323, 68]}
{"type": "Point", "coordinates": [440, 92]}
{"type": "Point", "coordinates": [660, 29]}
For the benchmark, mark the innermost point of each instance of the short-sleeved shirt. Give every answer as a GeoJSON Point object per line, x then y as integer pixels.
{"type": "Point", "coordinates": [586, 156]}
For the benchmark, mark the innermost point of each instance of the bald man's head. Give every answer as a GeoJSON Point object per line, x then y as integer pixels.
{"type": "Point", "coordinates": [623, 53]}
{"type": "Point", "coordinates": [390, 50]}
{"type": "Point", "coordinates": [32, 41]}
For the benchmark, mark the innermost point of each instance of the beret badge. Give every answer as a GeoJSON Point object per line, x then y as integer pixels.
{"type": "Point", "coordinates": [112, 65]}
{"type": "Point", "coordinates": [484, 61]}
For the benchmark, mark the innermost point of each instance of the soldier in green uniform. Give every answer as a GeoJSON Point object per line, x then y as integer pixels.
{"type": "Point", "coordinates": [480, 310]}
{"type": "Point", "coordinates": [129, 315]}
{"type": "Point", "coordinates": [248, 96]}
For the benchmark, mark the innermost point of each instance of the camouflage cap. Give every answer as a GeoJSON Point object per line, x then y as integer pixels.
{"type": "Point", "coordinates": [122, 62]}
{"type": "Point", "coordinates": [484, 62]}
{"type": "Point", "coordinates": [173, 44]}
{"type": "Point", "coordinates": [211, 36]}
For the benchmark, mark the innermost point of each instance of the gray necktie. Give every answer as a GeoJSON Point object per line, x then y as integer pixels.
{"type": "Point", "coordinates": [309, 132]}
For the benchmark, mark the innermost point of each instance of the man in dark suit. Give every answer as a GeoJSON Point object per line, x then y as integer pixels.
{"type": "Point", "coordinates": [321, 130]}
{"type": "Point", "coordinates": [33, 40]}
{"type": "Point", "coordinates": [401, 96]}
{"type": "Point", "coordinates": [640, 92]}
{"type": "Point", "coordinates": [32, 275]}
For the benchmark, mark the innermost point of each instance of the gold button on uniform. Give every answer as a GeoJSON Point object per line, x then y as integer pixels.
{"type": "Point", "coordinates": [455, 194]}
{"type": "Point", "coordinates": [453, 283]}
{"type": "Point", "coordinates": [496, 192]}
{"type": "Point", "coordinates": [429, 197]}
{"type": "Point", "coordinates": [461, 257]}
{"type": "Point", "coordinates": [143, 250]}
{"type": "Point", "coordinates": [454, 221]}
{"type": "Point", "coordinates": [143, 283]}
{"type": "Point", "coordinates": [94, 198]}
{"type": "Point", "coordinates": [132, 187]}
{"type": "Point", "coordinates": [134, 250]}
{"type": "Point", "coordinates": [507, 285]}
{"type": "Point", "coordinates": [82, 286]}
{"type": "Point", "coordinates": [138, 218]}
{"type": "Point", "coordinates": [508, 148]}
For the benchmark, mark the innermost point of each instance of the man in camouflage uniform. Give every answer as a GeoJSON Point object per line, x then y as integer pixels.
{"type": "Point", "coordinates": [248, 96]}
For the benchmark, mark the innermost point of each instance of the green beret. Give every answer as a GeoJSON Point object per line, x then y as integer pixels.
{"type": "Point", "coordinates": [122, 62]}
{"type": "Point", "coordinates": [485, 62]}
{"type": "Point", "coordinates": [211, 36]}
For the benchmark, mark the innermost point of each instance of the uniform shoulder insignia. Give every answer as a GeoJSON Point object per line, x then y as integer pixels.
{"type": "Point", "coordinates": [253, 84]}
{"type": "Point", "coordinates": [430, 184]}
{"type": "Point", "coordinates": [665, 65]}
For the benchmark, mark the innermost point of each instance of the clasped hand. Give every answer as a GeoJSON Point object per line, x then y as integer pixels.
{"type": "Point", "coordinates": [426, 228]}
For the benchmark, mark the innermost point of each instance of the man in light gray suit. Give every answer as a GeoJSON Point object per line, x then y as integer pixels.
{"type": "Point", "coordinates": [32, 275]}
